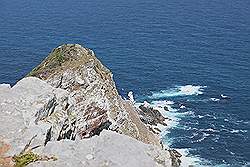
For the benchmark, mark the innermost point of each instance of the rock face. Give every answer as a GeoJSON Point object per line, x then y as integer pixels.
{"type": "Point", "coordinates": [24, 109]}
{"type": "Point", "coordinates": [175, 156]}
{"type": "Point", "coordinates": [47, 116]}
{"type": "Point", "coordinates": [93, 102]}
{"type": "Point", "coordinates": [151, 116]}
{"type": "Point", "coordinates": [109, 149]}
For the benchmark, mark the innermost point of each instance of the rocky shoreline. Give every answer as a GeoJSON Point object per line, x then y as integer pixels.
{"type": "Point", "coordinates": [67, 112]}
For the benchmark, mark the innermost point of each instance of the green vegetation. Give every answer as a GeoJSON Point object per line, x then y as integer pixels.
{"type": "Point", "coordinates": [58, 56]}
{"type": "Point", "coordinates": [26, 156]}
{"type": "Point", "coordinates": [67, 57]}
{"type": "Point", "coordinates": [23, 160]}
{"type": "Point", "coordinates": [55, 59]}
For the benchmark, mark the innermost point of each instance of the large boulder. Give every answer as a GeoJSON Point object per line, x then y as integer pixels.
{"type": "Point", "coordinates": [24, 110]}
{"type": "Point", "coordinates": [110, 149]}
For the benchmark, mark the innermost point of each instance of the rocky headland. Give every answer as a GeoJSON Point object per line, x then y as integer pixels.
{"type": "Point", "coordinates": [67, 112]}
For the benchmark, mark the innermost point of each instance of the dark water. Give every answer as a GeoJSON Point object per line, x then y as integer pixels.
{"type": "Point", "coordinates": [151, 46]}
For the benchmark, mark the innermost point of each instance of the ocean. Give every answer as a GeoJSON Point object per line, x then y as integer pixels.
{"type": "Point", "coordinates": [191, 55]}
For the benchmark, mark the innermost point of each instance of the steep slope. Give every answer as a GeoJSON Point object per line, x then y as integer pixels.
{"type": "Point", "coordinates": [93, 103]}
{"type": "Point", "coordinates": [27, 133]}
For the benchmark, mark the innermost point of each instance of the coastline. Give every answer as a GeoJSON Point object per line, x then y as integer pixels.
{"type": "Point", "coordinates": [171, 114]}
{"type": "Point", "coordinates": [72, 96]}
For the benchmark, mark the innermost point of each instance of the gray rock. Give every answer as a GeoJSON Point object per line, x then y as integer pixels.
{"type": "Point", "coordinates": [24, 109]}
{"type": "Point", "coordinates": [63, 104]}
{"type": "Point", "coordinates": [24, 113]}
{"type": "Point", "coordinates": [109, 149]}
{"type": "Point", "coordinates": [94, 102]}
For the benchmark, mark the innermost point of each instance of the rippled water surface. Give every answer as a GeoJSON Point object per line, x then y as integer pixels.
{"type": "Point", "coordinates": [155, 49]}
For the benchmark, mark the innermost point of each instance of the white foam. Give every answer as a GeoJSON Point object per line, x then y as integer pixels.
{"type": "Point", "coordinates": [187, 160]}
{"type": "Point", "coordinates": [210, 130]}
{"type": "Point", "coordinates": [186, 90]}
{"type": "Point", "coordinates": [160, 104]}
{"type": "Point", "coordinates": [191, 90]}
{"type": "Point", "coordinates": [187, 113]}
{"type": "Point", "coordinates": [169, 102]}
{"type": "Point", "coordinates": [174, 117]}
{"type": "Point", "coordinates": [146, 104]}
{"type": "Point", "coordinates": [224, 96]}
{"type": "Point", "coordinates": [214, 99]}
{"type": "Point", "coordinates": [232, 153]}
{"type": "Point", "coordinates": [237, 131]}
{"type": "Point", "coordinates": [171, 109]}
{"type": "Point", "coordinates": [200, 116]}
{"type": "Point", "coordinates": [182, 107]}
{"type": "Point", "coordinates": [234, 131]}
{"type": "Point", "coordinates": [243, 131]}
{"type": "Point", "coordinates": [194, 135]}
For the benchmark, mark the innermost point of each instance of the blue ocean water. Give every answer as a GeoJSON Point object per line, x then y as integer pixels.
{"type": "Point", "coordinates": [154, 48]}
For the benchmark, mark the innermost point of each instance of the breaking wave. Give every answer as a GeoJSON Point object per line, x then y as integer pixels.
{"type": "Point", "coordinates": [186, 90]}
{"type": "Point", "coordinates": [178, 104]}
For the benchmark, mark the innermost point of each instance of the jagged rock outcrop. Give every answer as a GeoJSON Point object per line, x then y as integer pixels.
{"type": "Point", "coordinates": [25, 110]}
{"type": "Point", "coordinates": [175, 158]}
{"type": "Point", "coordinates": [93, 102]}
{"type": "Point", "coordinates": [69, 97]}
{"type": "Point", "coordinates": [151, 116]}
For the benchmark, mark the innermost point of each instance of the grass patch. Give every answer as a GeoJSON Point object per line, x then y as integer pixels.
{"type": "Point", "coordinates": [58, 55]}
{"type": "Point", "coordinates": [26, 156]}
{"type": "Point", "coordinates": [23, 160]}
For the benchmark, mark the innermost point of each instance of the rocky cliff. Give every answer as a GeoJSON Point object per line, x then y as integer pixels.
{"type": "Point", "coordinates": [92, 103]}
{"type": "Point", "coordinates": [47, 116]}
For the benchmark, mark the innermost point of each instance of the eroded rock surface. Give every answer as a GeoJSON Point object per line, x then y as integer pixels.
{"type": "Point", "coordinates": [63, 104]}
{"type": "Point", "coordinates": [151, 116]}
{"type": "Point", "coordinates": [25, 109]}
{"type": "Point", "coordinates": [110, 149]}
{"type": "Point", "coordinates": [94, 103]}
{"type": "Point", "coordinates": [175, 158]}
{"type": "Point", "coordinates": [25, 112]}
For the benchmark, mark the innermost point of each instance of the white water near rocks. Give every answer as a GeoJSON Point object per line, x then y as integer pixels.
{"type": "Point", "coordinates": [186, 129]}
{"type": "Point", "coordinates": [178, 91]}
{"type": "Point", "coordinates": [174, 114]}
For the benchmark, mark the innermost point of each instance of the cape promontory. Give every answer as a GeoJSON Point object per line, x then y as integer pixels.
{"type": "Point", "coordinates": [67, 112]}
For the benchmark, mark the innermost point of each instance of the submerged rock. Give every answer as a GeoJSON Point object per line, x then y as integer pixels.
{"type": "Point", "coordinates": [166, 108]}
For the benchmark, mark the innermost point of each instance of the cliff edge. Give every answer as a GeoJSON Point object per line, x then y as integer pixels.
{"type": "Point", "coordinates": [67, 112]}
{"type": "Point", "coordinates": [93, 103]}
